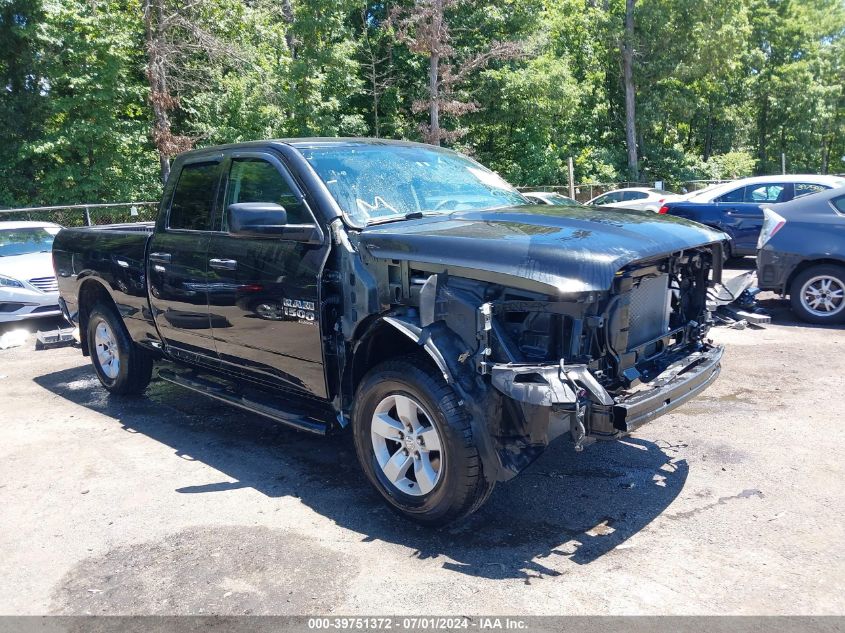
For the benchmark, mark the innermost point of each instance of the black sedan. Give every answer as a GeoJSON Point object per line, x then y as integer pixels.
{"type": "Point", "coordinates": [801, 253]}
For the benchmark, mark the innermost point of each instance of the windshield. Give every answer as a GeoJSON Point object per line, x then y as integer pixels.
{"type": "Point", "coordinates": [562, 201]}
{"type": "Point", "coordinates": [375, 183]}
{"type": "Point", "coordinates": [23, 241]}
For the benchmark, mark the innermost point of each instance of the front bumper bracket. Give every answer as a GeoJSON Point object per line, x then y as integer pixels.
{"type": "Point", "coordinates": [608, 416]}
{"type": "Point", "coordinates": [679, 383]}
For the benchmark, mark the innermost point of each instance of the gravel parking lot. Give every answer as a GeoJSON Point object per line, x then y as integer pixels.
{"type": "Point", "coordinates": [174, 504]}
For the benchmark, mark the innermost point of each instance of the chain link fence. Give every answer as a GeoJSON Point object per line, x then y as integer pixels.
{"type": "Point", "coordinates": [85, 214]}
{"type": "Point", "coordinates": [589, 190]}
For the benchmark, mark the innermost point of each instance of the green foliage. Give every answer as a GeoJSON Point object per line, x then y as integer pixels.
{"type": "Point", "coordinates": [526, 126]}
{"type": "Point", "coordinates": [728, 166]}
{"type": "Point", "coordinates": [22, 105]}
{"type": "Point", "coordinates": [723, 87]}
{"type": "Point", "coordinates": [93, 141]}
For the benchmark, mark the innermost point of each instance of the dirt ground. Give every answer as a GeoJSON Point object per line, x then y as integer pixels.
{"type": "Point", "coordinates": [175, 504]}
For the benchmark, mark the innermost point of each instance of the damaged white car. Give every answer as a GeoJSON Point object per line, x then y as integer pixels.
{"type": "Point", "coordinates": [28, 287]}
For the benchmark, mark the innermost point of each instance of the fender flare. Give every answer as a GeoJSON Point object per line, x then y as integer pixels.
{"type": "Point", "coordinates": [480, 403]}
{"type": "Point", "coordinates": [423, 339]}
{"type": "Point", "coordinates": [81, 312]}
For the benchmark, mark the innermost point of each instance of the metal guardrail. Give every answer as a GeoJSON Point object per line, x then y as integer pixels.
{"type": "Point", "coordinates": [85, 214]}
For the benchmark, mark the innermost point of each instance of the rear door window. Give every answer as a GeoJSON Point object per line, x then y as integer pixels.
{"type": "Point", "coordinates": [634, 195]}
{"type": "Point", "coordinates": [807, 188]}
{"type": "Point", "coordinates": [193, 198]}
{"type": "Point", "coordinates": [773, 192]}
{"type": "Point", "coordinates": [839, 204]}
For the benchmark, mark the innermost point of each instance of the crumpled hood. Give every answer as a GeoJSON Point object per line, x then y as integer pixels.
{"type": "Point", "coordinates": [570, 249]}
{"type": "Point", "coordinates": [29, 266]}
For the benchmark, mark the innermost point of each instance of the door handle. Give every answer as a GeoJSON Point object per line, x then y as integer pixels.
{"type": "Point", "coordinates": [223, 264]}
{"type": "Point", "coordinates": [163, 258]}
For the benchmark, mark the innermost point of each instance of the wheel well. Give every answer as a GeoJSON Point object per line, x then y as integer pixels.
{"type": "Point", "coordinates": [380, 343]}
{"type": "Point", "coordinates": [90, 294]}
{"type": "Point", "coordinates": [810, 263]}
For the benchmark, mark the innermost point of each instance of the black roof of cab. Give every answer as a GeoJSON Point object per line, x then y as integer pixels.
{"type": "Point", "coordinates": [303, 142]}
{"type": "Point", "coordinates": [288, 147]}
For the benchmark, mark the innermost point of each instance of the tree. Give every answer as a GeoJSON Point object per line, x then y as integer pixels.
{"type": "Point", "coordinates": [93, 145]}
{"type": "Point", "coordinates": [161, 100]}
{"type": "Point", "coordinates": [796, 78]}
{"type": "Point", "coordinates": [529, 123]}
{"type": "Point", "coordinates": [376, 46]}
{"type": "Point", "coordinates": [176, 36]}
{"type": "Point", "coordinates": [22, 104]}
{"type": "Point", "coordinates": [99, 95]}
{"type": "Point", "coordinates": [325, 73]}
{"type": "Point", "coordinates": [424, 28]}
{"type": "Point", "coordinates": [627, 49]}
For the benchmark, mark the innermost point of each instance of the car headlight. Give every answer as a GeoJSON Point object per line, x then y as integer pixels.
{"type": "Point", "coordinates": [8, 282]}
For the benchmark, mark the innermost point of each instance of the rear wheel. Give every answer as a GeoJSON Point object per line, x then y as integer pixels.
{"type": "Point", "coordinates": [415, 443]}
{"type": "Point", "coordinates": [817, 294]}
{"type": "Point", "coordinates": [122, 367]}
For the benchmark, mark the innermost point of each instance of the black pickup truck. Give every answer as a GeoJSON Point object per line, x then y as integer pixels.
{"type": "Point", "coordinates": [404, 291]}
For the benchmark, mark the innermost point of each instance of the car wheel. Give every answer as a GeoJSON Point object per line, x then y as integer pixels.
{"type": "Point", "coordinates": [817, 294]}
{"type": "Point", "coordinates": [122, 367]}
{"type": "Point", "coordinates": [415, 443]}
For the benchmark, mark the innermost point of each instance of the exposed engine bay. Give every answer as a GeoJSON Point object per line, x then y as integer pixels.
{"type": "Point", "coordinates": [535, 366]}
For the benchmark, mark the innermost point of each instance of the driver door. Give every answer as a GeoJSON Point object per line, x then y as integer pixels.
{"type": "Point", "coordinates": [264, 291]}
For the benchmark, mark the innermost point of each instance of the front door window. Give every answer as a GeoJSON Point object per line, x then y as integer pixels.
{"type": "Point", "coordinates": [256, 180]}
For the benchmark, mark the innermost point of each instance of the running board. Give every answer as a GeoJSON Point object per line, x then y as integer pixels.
{"type": "Point", "coordinates": [263, 405]}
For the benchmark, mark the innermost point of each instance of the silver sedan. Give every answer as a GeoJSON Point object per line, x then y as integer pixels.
{"type": "Point", "coordinates": [28, 287]}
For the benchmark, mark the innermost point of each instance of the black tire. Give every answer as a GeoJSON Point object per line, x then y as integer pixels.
{"type": "Point", "coordinates": [135, 365]}
{"type": "Point", "coordinates": [836, 273]}
{"type": "Point", "coordinates": [462, 487]}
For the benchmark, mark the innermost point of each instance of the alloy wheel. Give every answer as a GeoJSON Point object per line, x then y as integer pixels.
{"type": "Point", "coordinates": [407, 445]}
{"type": "Point", "coordinates": [823, 296]}
{"type": "Point", "coordinates": [107, 352]}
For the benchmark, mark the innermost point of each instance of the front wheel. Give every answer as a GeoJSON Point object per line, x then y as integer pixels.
{"type": "Point", "coordinates": [122, 367]}
{"type": "Point", "coordinates": [817, 294]}
{"type": "Point", "coordinates": [415, 443]}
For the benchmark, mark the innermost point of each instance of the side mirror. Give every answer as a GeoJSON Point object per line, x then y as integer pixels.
{"type": "Point", "coordinates": [256, 219]}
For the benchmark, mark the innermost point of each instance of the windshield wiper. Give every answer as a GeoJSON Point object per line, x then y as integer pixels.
{"type": "Point", "coordinates": [413, 215]}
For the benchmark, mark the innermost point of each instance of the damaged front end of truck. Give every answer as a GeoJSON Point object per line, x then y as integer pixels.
{"type": "Point", "coordinates": [531, 363]}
